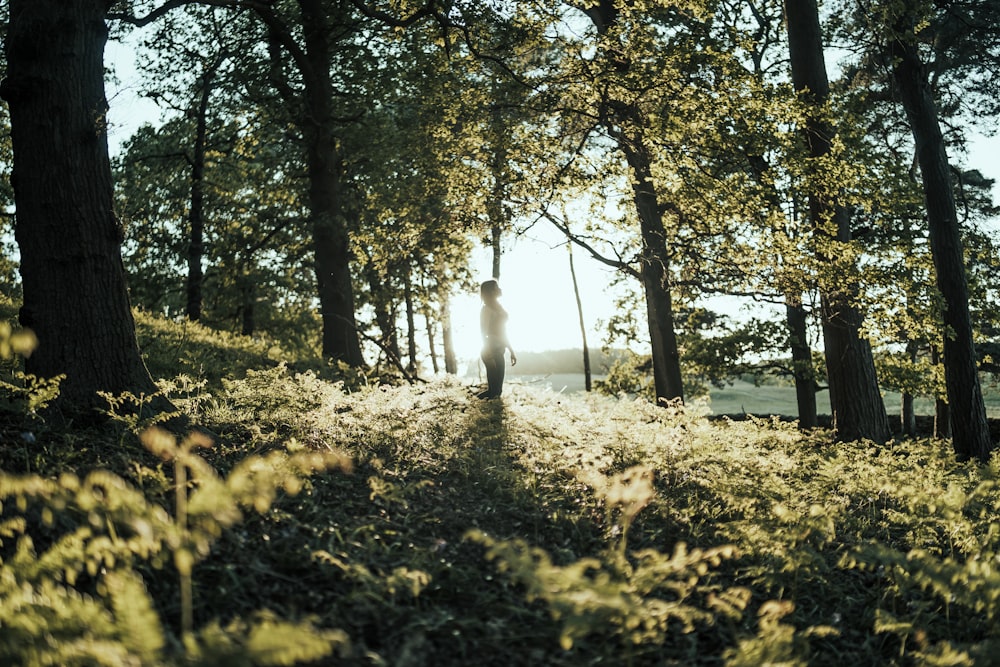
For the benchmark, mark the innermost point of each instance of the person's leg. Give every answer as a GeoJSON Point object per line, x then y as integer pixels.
{"type": "Point", "coordinates": [501, 365]}
{"type": "Point", "coordinates": [494, 362]}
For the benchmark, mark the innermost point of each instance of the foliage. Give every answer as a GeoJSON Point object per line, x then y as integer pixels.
{"type": "Point", "coordinates": [21, 393]}
{"type": "Point", "coordinates": [622, 532]}
{"type": "Point", "coordinates": [173, 347]}
{"type": "Point", "coordinates": [75, 578]}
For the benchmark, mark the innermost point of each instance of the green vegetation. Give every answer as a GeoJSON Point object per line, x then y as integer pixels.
{"type": "Point", "coordinates": [406, 525]}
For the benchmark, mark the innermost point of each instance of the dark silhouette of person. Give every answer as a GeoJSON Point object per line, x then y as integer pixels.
{"type": "Point", "coordinates": [493, 324]}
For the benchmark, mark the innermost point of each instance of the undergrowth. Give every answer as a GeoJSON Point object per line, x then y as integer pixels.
{"type": "Point", "coordinates": [536, 529]}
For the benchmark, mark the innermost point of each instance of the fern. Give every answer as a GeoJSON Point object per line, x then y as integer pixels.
{"type": "Point", "coordinates": [80, 599]}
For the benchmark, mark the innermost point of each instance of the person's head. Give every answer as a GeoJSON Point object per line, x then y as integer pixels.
{"type": "Point", "coordinates": [489, 290]}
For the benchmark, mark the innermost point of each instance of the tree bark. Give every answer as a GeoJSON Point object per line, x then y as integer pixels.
{"type": "Point", "coordinates": [587, 381]}
{"type": "Point", "coordinates": [855, 399]}
{"type": "Point", "coordinates": [655, 276]}
{"type": "Point", "coordinates": [331, 239]}
{"type": "Point", "coordinates": [802, 366]}
{"type": "Point", "coordinates": [655, 270]}
{"type": "Point", "coordinates": [73, 279]}
{"type": "Point", "coordinates": [196, 216]}
{"type": "Point", "coordinates": [495, 232]}
{"type": "Point", "coordinates": [969, 425]}
{"type": "Point", "coordinates": [447, 338]}
{"type": "Point", "coordinates": [411, 322]}
{"type": "Point", "coordinates": [907, 413]}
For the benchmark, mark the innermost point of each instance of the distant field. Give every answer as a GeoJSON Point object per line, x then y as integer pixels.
{"type": "Point", "coordinates": [744, 397]}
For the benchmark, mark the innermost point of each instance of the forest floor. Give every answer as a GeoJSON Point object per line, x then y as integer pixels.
{"type": "Point", "coordinates": [337, 523]}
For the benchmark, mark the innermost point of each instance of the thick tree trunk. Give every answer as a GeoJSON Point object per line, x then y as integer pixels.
{"type": "Point", "coordinates": [587, 381]}
{"type": "Point", "coordinates": [855, 399]}
{"type": "Point", "coordinates": [802, 367]}
{"type": "Point", "coordinates": [331, 240]}
{"type": "Point", "coordinates": [75, 298]}
{"type": "Point", "coordinates": [969, 425]}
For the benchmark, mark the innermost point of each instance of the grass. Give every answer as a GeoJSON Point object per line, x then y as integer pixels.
{"type": "Point", "coordinates": [540, 529]}
{"type": "Point", "coordinates": [743, 397]}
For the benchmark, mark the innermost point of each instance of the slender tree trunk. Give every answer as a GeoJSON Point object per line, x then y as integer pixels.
{"type": "Point", "coordinates": [431, 344]}
{"type": "Point", "coordinates": [248, 322]}
{"type": "Point", "coordinates": [411, 323]}
{"type": "Point", "coordinates": [802, 367]}
{"type": "Point", "coordinates": [655, 277]}
{"type": "Point", "coordinates": [795, 321]}
{"type": "Point", "coordinates": [196, 216]}
{"type": "Point", "coordinates": [942, 411]}
{"type": "Point", "coordinates": [495, 232]}
{"type": "Point", "coordinates": [908, 416]}
{"type": "Point", "coordinates": [429, 322]}
{"type": "Point", "coordinates": [496, 209]}
{"type": "Point", "coordinates": [969, 425]}
{"type": "Point", "coordinates": [587, 381]}
{"type": "Point", "coordinates": [855, 399]}
{"type": "Point", "coordinates": [447, 340]}
{"type": "Point", "coordinates": [655, 271]}
{"type": "Point", "coordinates": [384, 311]}
{"type": "Point", "coordinates": [74, 294]}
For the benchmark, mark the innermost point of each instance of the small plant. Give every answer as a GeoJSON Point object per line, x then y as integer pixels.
{"type": "Point", "coordinates": [71, 592]}
{"type": "Point", "coordinates": [640, 597]}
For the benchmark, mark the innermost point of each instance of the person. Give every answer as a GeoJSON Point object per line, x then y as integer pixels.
{"type": "Point", "coordinates": [493, 324]}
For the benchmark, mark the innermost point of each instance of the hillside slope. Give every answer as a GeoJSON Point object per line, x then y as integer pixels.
{"type": "Point", "coordinates": [537, 529]}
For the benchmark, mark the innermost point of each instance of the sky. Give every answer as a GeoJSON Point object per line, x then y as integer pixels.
{"type": "Point", "coordinates": [534, 272]}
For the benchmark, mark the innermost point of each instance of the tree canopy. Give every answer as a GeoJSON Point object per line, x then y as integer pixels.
{"type": "Point", "coordinates": [322, 170]}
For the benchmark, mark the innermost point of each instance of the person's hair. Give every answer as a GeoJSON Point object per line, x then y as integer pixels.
{"type": "Point", "coordinates": [489, 288]}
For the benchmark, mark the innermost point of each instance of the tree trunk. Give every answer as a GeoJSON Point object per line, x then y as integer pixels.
{"type": "Point", "coordinates": [75, 299]}
{"type": "Point", "coordinates": [196, 216]}
{"type": "Point", "coordinates": [907, 415]}
{"type": "Point", "coordinates": [855, 399]}
{"type": "Point", "coordinates": [802, 367]}
{"type": "Point", "coordinates": [655, 271]}
{"type": "Point", "coordinates": [331, 240]}
{"type": "Point", "coordinates": [587, 381]}
{"type": "Point", "coordinates": [495, 232]}
{"type": "Point", "coordinates": [411, 323]}
{"type": "Point", "coordinates": [795, 320]}
{"type": "Point", "coordinates": [970, 428]}
{"type": "Point", "coordinates": [431, 344]}
{"type": "Point", "coordinates": [385, 316]}
{"type": "Point", "coordinates": [447, 339]}
{"type": "Point", "coordinates": [496, 210]}
{"type": "Point", "coordinates": [942, 414]}
{"type": "Point", "coordinates": [655, 276]}
{"type": "Point", "coordinates": [248, 316]}
{"type": "Point", "coordinates": [429, 322]}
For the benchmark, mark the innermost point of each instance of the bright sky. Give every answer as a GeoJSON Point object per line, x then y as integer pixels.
{"type": "Point", "coordinates": [535, 277]}
{"type": "Point", "coordinates": [538, 295]}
